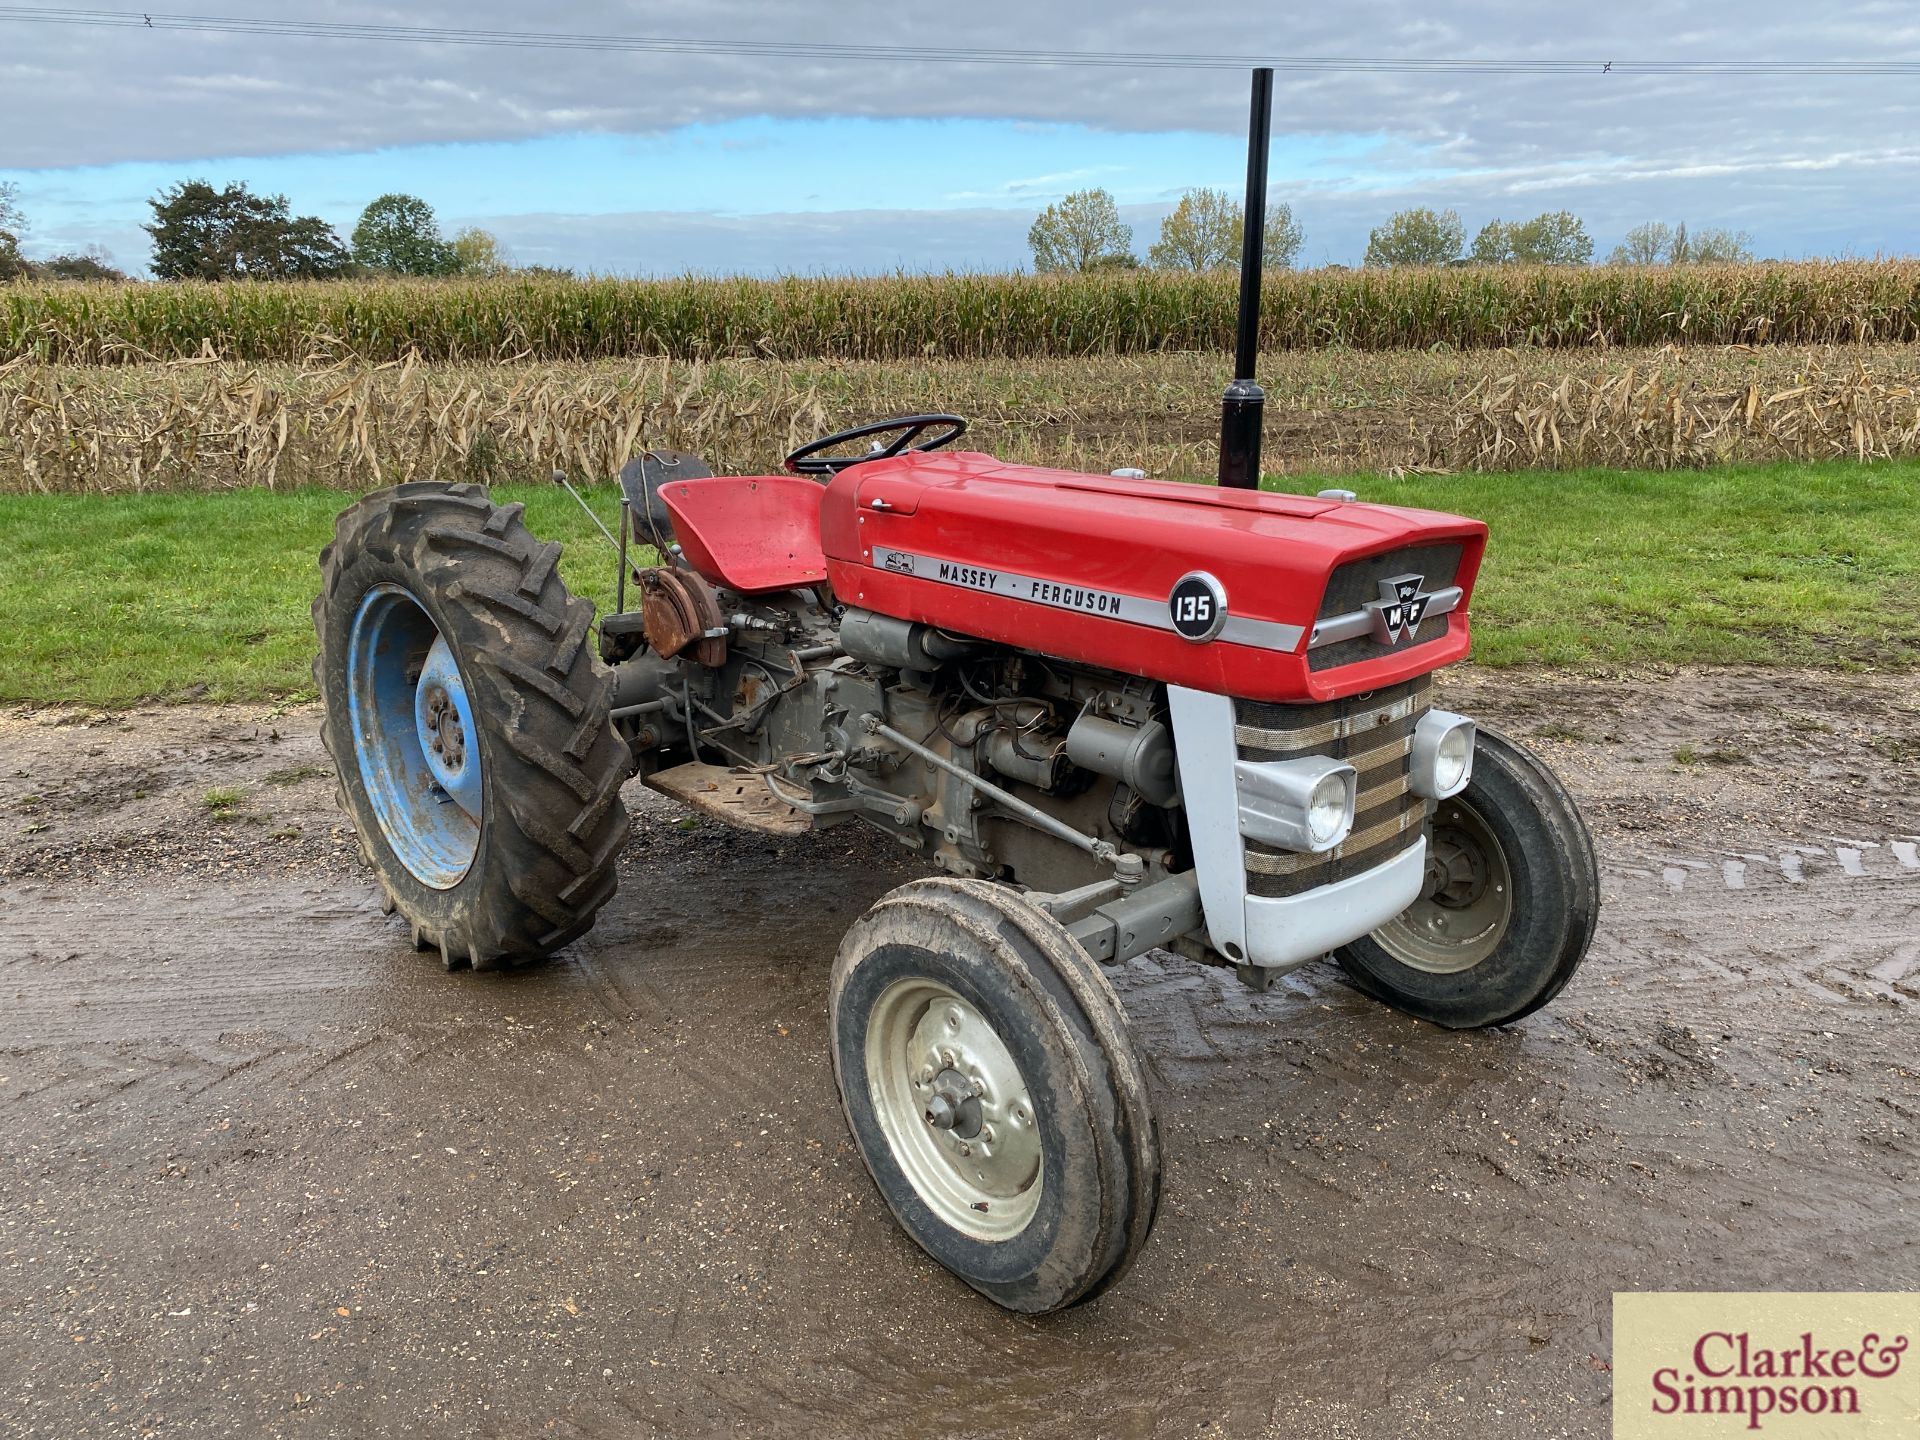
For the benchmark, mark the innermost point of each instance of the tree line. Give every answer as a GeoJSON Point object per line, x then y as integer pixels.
{"type": "Point", "coordinates": [1436, 237]}
{"type": "Point", "coordinates": [203, 233]}
{"type": "Point", "coordinates": [78, 265]}
{"type": "Point", "coordinates": [1084, 231]}
{"type": "Point", "coordinates": [200, 233]}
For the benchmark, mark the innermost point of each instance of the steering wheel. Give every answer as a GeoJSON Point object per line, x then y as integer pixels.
{"type": "Point", "coordinates": [808, 459]}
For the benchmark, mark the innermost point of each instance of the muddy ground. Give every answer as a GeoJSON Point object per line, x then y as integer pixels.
{"type": "Point", "coordinates": [269, 1172]}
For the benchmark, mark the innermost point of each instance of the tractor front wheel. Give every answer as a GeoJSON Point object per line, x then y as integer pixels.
{"type": "Point", "coordinates": [1511, 898]}
{"type": "Point", "coordinates": [991, 1085]}
{"type": "Point", "coordinates": [468, 723]}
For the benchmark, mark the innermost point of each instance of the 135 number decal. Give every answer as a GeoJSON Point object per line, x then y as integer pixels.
{"type": "Point", "coordinates": [1198, 607]}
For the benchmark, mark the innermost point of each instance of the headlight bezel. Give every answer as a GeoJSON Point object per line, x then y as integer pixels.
{"type": "Point", "coordinates": [1431, 772]}
{"type": "Point", "coordinates": [1278, 798]}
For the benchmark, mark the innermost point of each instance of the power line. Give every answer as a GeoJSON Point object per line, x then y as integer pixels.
{"type": "Point", "coordinates": [929, 54]}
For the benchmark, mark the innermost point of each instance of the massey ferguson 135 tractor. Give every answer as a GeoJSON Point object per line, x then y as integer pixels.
{"type": "Point", "coordinates": [1119, 714]}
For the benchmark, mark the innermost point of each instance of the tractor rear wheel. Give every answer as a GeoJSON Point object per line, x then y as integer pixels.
{"type": "Point", "coordinates": [468, 723]}
{"type": "Point", "coordinates": [989, 1080]}
{"type": "Point", "coordinates": [1511, 898]}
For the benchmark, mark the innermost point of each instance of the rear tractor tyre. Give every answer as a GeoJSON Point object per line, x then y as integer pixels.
{"type": "Point", "coordinates": [990, 1082]}
{"type": "Point", "coordinates": [468, 723]}
{"type": "Point", "coordinates": [1508, 910]}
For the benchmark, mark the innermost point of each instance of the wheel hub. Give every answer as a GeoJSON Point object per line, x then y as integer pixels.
{"type": "Point", "coordinates": [443, 720]}
{"type": "Point", "coordinates": [953, 1105]}
{"type": "Point", "coordinates": [1456, 869]}
{"type": "Point", "coordinates": [446, 736]}
{"type": "Point", "coordinates": [955, 1108]}
{"type": "Point", "coordinates": [1466, 898]}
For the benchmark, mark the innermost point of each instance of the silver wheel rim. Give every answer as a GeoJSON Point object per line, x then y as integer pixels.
{"type": "Point", "coordinates": [1467, 900]}
{"type": "Point", "coordinates": [955, 1109]}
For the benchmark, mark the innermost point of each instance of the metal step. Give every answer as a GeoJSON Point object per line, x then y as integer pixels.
{"type": "Point", "coordinates": [736, 797]}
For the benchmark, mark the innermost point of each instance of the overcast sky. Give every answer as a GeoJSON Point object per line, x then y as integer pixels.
{"type": "Point", "coordinates": [656, 164]}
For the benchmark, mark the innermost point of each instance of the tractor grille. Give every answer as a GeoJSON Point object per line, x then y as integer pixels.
{"type": "Point", "coordinates": [1371, 732]}
{"type": "Point", "coordinates": [1356, 583]}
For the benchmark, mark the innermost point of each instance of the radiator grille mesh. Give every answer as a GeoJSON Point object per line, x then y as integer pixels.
{"type": "Point", "coordinates": [1373, 733]}
{"type": "Point", "coordinates": [1356, 583]}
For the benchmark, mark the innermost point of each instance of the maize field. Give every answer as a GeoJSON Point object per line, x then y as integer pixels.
{"type": "Point", "coordinates": [914, 318]}
{"type": "Point", "coordinates": [353, 423]}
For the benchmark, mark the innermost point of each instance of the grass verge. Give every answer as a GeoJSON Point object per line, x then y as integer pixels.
{"type": "Point", "coordinates": [108, 601]}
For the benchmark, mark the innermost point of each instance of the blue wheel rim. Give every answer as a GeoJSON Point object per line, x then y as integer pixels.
{"type": "Point", "coordinates": [413, 737]}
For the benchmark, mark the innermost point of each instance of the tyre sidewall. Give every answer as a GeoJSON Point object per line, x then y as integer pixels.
{"type": "Point", "coordinates": [451, 910]}
{"type": "Point", "coordinates": [551, 761]}
{"type": "Point", "coordinates": [1074, 1237]}
{"type": "Point", "coordinates": [1555, 901]}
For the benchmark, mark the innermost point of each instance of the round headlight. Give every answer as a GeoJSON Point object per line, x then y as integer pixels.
{"type": "Point", "coordinates": [1452, 759]}
{"type": "Point", "coordinates": [1327, 809]}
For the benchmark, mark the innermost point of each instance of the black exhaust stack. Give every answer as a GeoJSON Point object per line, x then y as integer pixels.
{"type": "Point", "coordinates": [1240, 409]}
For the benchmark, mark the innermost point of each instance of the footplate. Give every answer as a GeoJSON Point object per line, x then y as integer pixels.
{"type": "Point", "coordinates": [740, 798]}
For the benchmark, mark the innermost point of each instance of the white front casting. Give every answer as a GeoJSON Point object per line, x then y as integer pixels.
{"type": "Point", "coordinates": [1272, 932]}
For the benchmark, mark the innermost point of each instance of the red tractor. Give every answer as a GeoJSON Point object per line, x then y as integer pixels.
{"type": "Point", "coordinates": [1117, 714]}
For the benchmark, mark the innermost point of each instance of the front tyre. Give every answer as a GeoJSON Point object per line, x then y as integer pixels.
{"type": "Point", "coordinates": [468, 723]}
{"type": "Point", "coordinates": [1511, 897]}
{"type": "Point", "coordinates": [996, 1097]}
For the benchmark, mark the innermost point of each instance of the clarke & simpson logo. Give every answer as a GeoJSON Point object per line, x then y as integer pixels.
{"type": "Point", "coordinates": [1784, 1365]}
{"type": "Point", "coordinates": [1730, 1375]}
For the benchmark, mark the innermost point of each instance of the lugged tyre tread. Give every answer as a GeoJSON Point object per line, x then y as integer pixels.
{"type": "Point", "coordinates": [513, 604]}
{"type": "Point", "coordinates": [529, 678]}
{"type": "Point", "coordinates": [554, 783]}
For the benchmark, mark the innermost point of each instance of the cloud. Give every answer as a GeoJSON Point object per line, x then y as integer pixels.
{"type": "Point", "coordinates": [1804, 161]}
{"type": "Point", "coordinates": [305, 94]}
{"type": "Point", "coordinates": [1039, 187]}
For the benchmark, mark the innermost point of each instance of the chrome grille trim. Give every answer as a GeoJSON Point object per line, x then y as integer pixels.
{"type": "Point", "coordinates": [1290, 862]}
{"type": "Point", "coordinates": [1356, 584]}
{"type": "Point", "coordinates": [1357, 623]}
{"type": "Point", "coordinates": [1309, 736]}
{"type": "Point", "coordinates": [1392, 748]}
{"type": "Point", "coordinates": [1374, 734]}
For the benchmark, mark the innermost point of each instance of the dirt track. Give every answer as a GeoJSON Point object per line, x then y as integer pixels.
{"type": "Point", "coordinates": [270, 1172]}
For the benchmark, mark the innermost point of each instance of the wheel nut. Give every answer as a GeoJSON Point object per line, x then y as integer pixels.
{"type": "Point", "coordinates": [965, 1148]}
